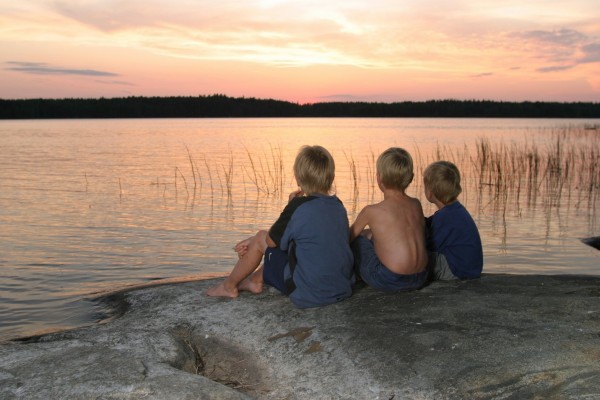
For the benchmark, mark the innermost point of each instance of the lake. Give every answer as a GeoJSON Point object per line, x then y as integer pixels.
{"type": "Point", "coordinates": [89, 206]}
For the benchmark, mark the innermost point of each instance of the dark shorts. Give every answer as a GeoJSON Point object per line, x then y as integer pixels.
{"type": "Point", "coordinates": [274, 268]}
{"type": "Point", "coordinates": [377, 275]}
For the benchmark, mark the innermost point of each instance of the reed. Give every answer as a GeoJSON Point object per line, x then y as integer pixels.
{"type": "Point", "coordinates": [228, 172]}
{"type": "Point", "coordinates": [547, 172]}
{"type": "Point", "coordinates": [191, 165]}
{"type": "Point", "coordinates": [503, 177]}
{"type": "Point", "coordinates": [371, 176]}
{"type": "Point", "coordinates": [220, 180]}
{"type": "Point", "coordinates": [177, 170]}
{"type": "Point", "coordinates": [354, 175]}
{"type": "Point", "coordinates": [210, 179]}
{"type": "Point", "coordinates": [266, 172]}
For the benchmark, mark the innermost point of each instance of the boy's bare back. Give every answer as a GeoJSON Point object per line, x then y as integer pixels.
{"type": "Point", "coordinates": [397, 228]}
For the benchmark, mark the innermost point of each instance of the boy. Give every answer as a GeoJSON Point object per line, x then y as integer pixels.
{"type": "Point", "coordinates": [453, 239]}
{"type": "Point", "coordinates": [391, 255]}
{"type": "Point", "coordinates": [307, 255]}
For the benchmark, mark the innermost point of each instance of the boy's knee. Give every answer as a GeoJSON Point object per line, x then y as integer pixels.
{"type": "Point", "coordinates": [260, 240]}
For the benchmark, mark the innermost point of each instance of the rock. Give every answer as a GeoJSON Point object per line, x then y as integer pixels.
{"type": "Point", "coordinates": [501, 336]}
{"type": "Point", "coordinates": [592, 241]}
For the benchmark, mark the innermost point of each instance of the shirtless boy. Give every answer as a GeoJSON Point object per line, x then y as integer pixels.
{"type": "Point", "coordinates": [307, 254]}
{"type": "Point", "coordinates": [391, 254]}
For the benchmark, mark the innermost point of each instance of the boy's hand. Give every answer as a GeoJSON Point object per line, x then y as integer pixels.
{"type": "Point", "coordinates": [242, 247]}
{"type": "Point", "coordinates": [296, 193]}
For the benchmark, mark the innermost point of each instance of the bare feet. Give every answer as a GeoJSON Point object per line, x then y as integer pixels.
{"type": "Point", "coordinates": [250, 285]}
{"type": "Point", "coordinates": [221, 291]}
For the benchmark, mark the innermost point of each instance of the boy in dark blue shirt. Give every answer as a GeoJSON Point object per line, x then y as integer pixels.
{"type": "Point", "coordinates": [307, 254]}
{"type": "Point", "coordinates": [453, 239]}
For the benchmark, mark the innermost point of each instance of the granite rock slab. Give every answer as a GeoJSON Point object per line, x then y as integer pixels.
{"type": "Point", "coordinates": [497, 337]}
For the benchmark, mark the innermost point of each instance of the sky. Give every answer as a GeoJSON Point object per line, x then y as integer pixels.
{"type": "Point", "coordinates": [302, 51]}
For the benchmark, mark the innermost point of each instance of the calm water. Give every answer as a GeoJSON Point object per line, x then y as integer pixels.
{"type": "Point", "coordinates": [93, 205]}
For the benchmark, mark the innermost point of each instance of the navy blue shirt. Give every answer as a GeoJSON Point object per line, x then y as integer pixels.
{"type": "Point", "coordinates": [318, 226]}
{"type": "Point", "coordinates": [453, 233]}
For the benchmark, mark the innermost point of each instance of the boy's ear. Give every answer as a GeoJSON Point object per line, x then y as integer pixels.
{"type": "Point", "coordinates": [429, 195]}
{"type": "Point", "coordinates": [379, 183]}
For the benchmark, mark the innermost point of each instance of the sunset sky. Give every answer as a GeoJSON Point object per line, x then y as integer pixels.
{"type": "Point", "coordinates": [302, 51]}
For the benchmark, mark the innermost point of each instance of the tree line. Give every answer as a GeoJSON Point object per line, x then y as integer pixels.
{"type": "Point", "coordinates": [221, 106]}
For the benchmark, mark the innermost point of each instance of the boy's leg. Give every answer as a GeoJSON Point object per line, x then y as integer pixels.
{"type": "Point", "coordinates": [440, 270]}
{"type": "Point", "coordinates": [365, 258]}
{"type": "Point", "coordinates": [253, 283]}
{"type": "Point", "coordinates": [243, 269]}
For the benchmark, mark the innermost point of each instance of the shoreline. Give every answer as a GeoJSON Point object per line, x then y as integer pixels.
{"type": "Point", "coordinates": [111, 305]}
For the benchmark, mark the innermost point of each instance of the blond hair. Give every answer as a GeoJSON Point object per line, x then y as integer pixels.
{"type": "Point", "coordinates": [395, 168]}
{"type": "Point", "coordinates": [442, 178]}
{"type": "Point", "coordinates": [314, 169]}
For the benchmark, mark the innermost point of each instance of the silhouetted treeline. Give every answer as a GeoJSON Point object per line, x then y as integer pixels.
{"type": "Point", "coordinates": [220, 106]}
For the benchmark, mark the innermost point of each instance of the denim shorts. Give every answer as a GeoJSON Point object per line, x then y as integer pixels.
{"type": "Point", "coordinates": [377, 275]}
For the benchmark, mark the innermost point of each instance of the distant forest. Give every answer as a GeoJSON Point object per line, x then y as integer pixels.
{"type": "Point", "coordinates": [221, 106]}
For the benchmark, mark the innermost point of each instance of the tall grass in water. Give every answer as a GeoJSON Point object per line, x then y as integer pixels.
{"type": "Point", "coordinates": [371, 177]}
{"type": "Point", "coordinates": [228, 172]}
{"type": "Point", "coordinates": [563, 171]}
{"type": "Point", "coordinates": [266, 172]}
{"type": "Point", "coordinates": [355, 180]}
{"type": "Point", "coordinates": [568, 162]}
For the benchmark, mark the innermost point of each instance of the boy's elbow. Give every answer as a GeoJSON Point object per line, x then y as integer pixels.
{"type": "Point", "coordinates": [270, 242]}
{"type": "Point", "coordinates": [354, 233]}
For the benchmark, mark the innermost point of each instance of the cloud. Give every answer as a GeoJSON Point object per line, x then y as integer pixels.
{"type": "Point", "coordinates": [122, 83]}
{"type": "Point", "coordinates": [560, 37]}
{"type": "Point", "coordinates": [591, 53]}
{"type": "Point", "coordinates": [556, 68]}
{"type": "Point", "coordinates": [45, 69]}
{"type": "Point", "coordinates": [564, 48]}
{"type": "Point", "coordinates": [482, 75]}
{"type": "Point", "coordinates": [410, 35]}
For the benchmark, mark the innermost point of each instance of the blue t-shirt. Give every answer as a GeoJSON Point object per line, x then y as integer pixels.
{"type": "Point", "coordinates": [453, 233]}
{"type": "Point", "coordinates": [318, 226]}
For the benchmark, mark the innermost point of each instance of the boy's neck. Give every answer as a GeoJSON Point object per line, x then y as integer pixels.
{"type": "Point", "coordinates": [393, 194]}
{"type": "Point", "coordinates": [441, 205]}
{"type": "Point", "coordinates": [317, 194]}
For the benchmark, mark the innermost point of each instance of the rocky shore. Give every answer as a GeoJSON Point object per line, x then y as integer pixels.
{"type": "Point", "coordinates": [498, 337]}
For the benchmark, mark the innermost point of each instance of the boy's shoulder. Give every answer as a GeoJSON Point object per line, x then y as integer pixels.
{"type": "Point", "coordinates": [390, 206]}
{"type": "Point", "coordinates": [374, 208]}
{"type": "Point", "coordinates": [454, 207]}
{"type": "Point", "coordinates": [315, 201]}
{"type": "Point", "coordinates": [454, 211]}
{"type": "Point", "coordinates": [403, 202]}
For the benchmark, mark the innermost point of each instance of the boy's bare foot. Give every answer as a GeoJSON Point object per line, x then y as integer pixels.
{"type": "Point", "coordinates": [221, 291]}
{"type": "Point", "coordinates": [251, 286]}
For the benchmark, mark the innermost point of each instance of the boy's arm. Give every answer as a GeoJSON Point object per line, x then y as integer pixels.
{"type": "Point", "coordinates": [278, 228]}
{"type": "Point", "coordinates": [242, 247]}
{"type": "Point", "coordinates": [270, 241]}
{"type": "Point", "coordinates": [361, 221]}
